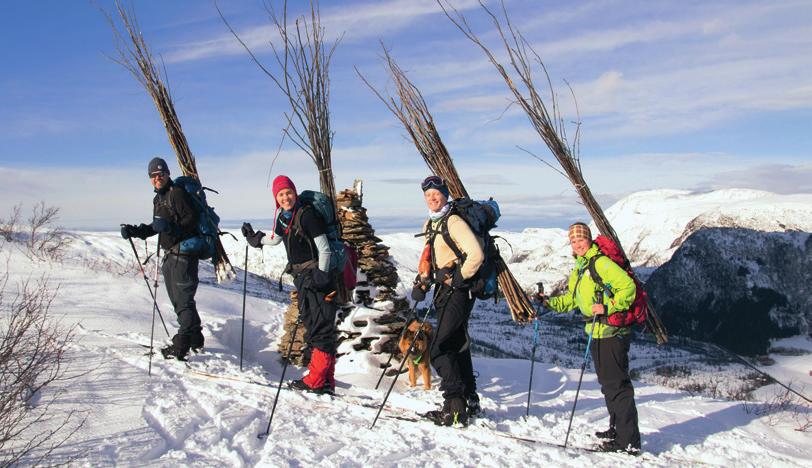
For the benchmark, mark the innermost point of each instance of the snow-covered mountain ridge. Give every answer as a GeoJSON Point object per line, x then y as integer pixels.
{"type": "Point", "coordinates": [653, 224]}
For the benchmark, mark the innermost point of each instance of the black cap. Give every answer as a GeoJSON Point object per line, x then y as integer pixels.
{"type": "Point", "coordinates": [157, 165]}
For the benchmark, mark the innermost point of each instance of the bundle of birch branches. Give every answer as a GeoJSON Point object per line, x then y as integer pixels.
{"type": "Point", "coordinates": [546, 119]}
{"type": "Point", "coordinates": [411, 110]}
{"type": "Point", "coordinates": [134, 55]}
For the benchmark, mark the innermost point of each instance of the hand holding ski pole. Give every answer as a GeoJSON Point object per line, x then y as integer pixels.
{"type": "Point", "coordinates": [146, 280]}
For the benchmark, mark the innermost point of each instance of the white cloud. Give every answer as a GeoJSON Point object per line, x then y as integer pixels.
{"type": "Point", "coordinates": [778, 178]}
{"type": "Point", "coordinates": [368, 20]}
{"type": "Point", "coordinates": [689, 73]}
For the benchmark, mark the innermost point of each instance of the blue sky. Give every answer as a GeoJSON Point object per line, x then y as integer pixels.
{"type": "Point", "coordinates": [693, 95]}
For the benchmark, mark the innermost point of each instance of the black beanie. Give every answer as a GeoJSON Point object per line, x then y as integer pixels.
{"type": "Point", "coordinates": [157, 165]}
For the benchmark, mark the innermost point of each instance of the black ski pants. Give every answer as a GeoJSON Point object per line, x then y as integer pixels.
{"type": "Point", "coordinates": [611, 358]}
{"type": "Point", "coordinates": [180, 277]}
{"type": "Point", "coordinates": [317, 314]}
{"type": "Point", "coordinates": [450, 348]}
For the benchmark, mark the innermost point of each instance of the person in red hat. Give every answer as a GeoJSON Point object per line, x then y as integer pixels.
{"type": "Point", "coordinates": [304, 235]}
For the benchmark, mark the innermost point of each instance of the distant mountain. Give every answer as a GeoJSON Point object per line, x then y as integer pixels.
{"type": "Point", "coordinates": [653, 224]}
{"type": "Point", "coordinates": [737, 287]}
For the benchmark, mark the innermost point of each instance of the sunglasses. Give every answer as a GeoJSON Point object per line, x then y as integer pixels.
{"type": "Point", "coordinates": [433, 182]}
{"type": "Point", "coordinates": [158, 175]}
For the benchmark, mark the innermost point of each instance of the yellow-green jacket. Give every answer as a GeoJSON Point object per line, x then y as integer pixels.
{"type": "Point", "coordinates": [583, 293]}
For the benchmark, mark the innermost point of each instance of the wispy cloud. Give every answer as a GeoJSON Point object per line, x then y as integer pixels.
{"type": "Point", "coordinates": [366, 20]}
{"type": "Point", "coordinates": [659, 77]}
{"type": "Point", "coordinates": [777, 178]}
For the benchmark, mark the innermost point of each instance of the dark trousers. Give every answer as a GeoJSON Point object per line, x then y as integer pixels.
{"type": "Point", "coordinates": [611, 358]}
{"type": "Point", "coordinates": [317, 315]}
{"type": "Point", "coordinates": [180, 277]}
{"type": "Point", "coordinates": [450, 349]}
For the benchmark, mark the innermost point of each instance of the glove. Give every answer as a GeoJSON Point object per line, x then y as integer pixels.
{"type": "Point", "coordinates": [254, 238]}
{"type": "Point", "coordinates": [127, 231]}
{"type": "Point", "coordinates": [142, 231]}
{"type": "Point", "coordinates": [418, 293]}
{"type": "Point", "coordinates": [247, 230]}
{"type": "Point", "coordinates": [443, 274]}
{"type": "Point", "coordinates": [161, 225]}
{"type": "Point", "coordinates": [320, 279]}
{"type": "Point", "coordinates": [457, 281]}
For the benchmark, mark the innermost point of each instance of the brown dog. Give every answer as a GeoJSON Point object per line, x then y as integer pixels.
{"type": "Point", "coordinates": [419, 356]}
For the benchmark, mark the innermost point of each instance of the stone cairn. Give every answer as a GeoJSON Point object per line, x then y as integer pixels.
{"type": "Point", "coordinates": [377, 281]}
{"type": "Point", "coordinates": [376, 290]}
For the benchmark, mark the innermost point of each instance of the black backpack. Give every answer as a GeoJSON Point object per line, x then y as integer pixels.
{"type": "Point", "coordinates": [481, 217]}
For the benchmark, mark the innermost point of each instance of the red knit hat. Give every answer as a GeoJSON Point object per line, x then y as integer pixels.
{"type": "Point", "coordinates": [281, 182]}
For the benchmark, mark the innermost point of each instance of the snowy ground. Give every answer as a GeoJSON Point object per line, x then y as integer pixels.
{"type": "Point", "coordinates": [179, 418]}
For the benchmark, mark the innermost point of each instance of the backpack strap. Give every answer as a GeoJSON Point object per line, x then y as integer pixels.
{"type": "Point", "coordinates": [448, 240]}
{"type": "Point", "coordinates": [593, 272]}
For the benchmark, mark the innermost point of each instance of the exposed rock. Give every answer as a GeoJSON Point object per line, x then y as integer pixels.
{"type": "Point", "coordinates": [736, 287]}
{"type": "Point", "coordinates": [376, 325]}
{"type": "Point", "coordinates": [382, 319]}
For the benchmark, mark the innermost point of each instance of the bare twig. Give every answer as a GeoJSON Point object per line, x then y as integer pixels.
{"type": "Point", "coordinates": [301, 72]}
{"type": "Point", "coordinates": [410, 108]}
{"type": "Point", "coordinates": [32, 359]}
{"type": "Point", "coordinates": [133, 54]}
{"type": "Point", "coordinates": [546, 120]}
{"type": "Point", "coordinates": [8, 226]}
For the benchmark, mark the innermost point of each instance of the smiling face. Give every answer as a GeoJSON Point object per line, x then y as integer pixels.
{"type": "Point", "coordinates": [286, 199]}
{"type": "Point", "coordinates": [580, 245]}
{"type": "Point", "coordinates": [435, 199]}
{"type": "Point", "coordinates": [159, 180]}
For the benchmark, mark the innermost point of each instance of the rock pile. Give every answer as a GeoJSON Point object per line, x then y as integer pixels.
{"type": "Point", "coordinates": [375, 318]}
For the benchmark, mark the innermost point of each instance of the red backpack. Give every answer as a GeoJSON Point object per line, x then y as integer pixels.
{"type": "Point", "coordinates": [350, 271]}
{"type": "Point", "coordinates": [638, 312]}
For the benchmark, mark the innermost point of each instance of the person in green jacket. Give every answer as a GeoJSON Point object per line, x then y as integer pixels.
{"type": "Point", "coordinates": [610, 345]}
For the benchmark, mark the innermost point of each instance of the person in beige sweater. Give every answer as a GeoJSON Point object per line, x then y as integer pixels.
{"type": "Point", "coordinates": [451, 274]}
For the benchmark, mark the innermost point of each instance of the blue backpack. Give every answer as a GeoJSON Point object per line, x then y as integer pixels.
{"type": "Point", "coordinates": [481, 216]}
{"type": "Point", "coordinates": [323, 206]}
{"type": "Point", "coordinates": [203, 245]}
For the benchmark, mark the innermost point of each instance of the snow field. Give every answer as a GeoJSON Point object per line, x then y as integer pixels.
{"type": "Point", "coordinates": [178, 417]}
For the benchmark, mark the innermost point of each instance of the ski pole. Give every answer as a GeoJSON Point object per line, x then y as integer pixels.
{"type": "Point", "coordinates": [146, 280]}
{"type": "Point", "coordinates": [389, 361]}
{"type": "Point", "coordinates": [533, 352]}
{"type": "Point", "coordinates": [244, 289]}
{"type": "Point", "coordinates": [746, 363]}
{"type": "Point", "coordinates": [282, 378]}
{"type": "Point", "coordinates": [532, 364]}
{"type": "Point", "coordinates": [581, 378]}
{"type": "Point", "coordinates": [405, 357]}
{"type": "Point", "coordinates": [154, 307]}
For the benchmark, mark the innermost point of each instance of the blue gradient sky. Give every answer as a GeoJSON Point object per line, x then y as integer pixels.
{"type": "Point", "coordinates": [689, 95]}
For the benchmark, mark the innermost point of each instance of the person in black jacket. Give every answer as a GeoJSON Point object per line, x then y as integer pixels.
{"type": "Point", "coordinates": [304, 234]}
{"type": "Point", "coordinates": [175, 219]}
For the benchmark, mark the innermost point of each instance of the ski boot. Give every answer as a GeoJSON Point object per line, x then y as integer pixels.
{"type": "Point", "coordinates": [301, 386]}
{"type": "Point", "coordinates": [609, 434]}
{"type": "Point", "coordinates": [171, 352]}
{"type": "Point", "coordinates": [472, 405]}
{"type": "Point", "coordinates": [453, 412]}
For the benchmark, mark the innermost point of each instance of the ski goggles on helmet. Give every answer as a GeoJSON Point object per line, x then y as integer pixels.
{"type": "Point", "coordinates": [433, 182]}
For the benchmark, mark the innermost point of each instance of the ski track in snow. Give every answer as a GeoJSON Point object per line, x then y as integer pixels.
{"type": "Point", "coordinates": [179, 418]}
